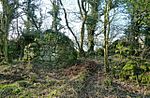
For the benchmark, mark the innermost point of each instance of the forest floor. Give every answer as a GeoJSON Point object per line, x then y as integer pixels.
{"type": "Point", "coordinates": [85, 79]}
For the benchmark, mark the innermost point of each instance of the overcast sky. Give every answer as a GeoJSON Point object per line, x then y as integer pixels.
{"type": "Point", "coordinates": [71, 6]}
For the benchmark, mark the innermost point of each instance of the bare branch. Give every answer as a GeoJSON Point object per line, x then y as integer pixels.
{"type": "Point", "coordinates": [67, 24]}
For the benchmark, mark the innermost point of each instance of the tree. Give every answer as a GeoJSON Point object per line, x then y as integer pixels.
{"type": "Point", "coordinates": [91, 23]}
{"type": "Point", "coordinates": [9, 8]}
{"type": "Point", "coordinates": [32, 20]}
{"type": "Point", "coordinates": [106, 33]}
{"type": "Point", "coordinates": [70, 29]}
{"type": "Point", "coordinates": [55, 15]}
{"type": "Point", "coordinates": [83, 14]}
{"type": "Point", "coordinates": [138, 13]}
{"type": "Point", "coordinates": [109, 5]}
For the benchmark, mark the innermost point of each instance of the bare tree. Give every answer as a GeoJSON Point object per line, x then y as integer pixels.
{"type": "Point", "coordinates": [68, 26]}
{"type": "Point", "coordinates": [83, 8]}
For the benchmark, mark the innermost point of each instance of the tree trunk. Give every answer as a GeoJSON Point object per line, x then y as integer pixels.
{"type": "Point", "coordinates": [55, 14]}
{"type": "Point", "coordinates": [91, 40]}
{"type": "Point", "coordinates": [67, 24]}
{"type": "Point", "coordinates": [5, 48]}
{"type": "Point", "coordinates": [81, 51]}
{"type": "Point", "coordinates": [92, 20]}
{"type": "Point", "coordinates": [6, 18]}
{"type": "Point", "coordinates": [106, 34]}
{"type": "Point", "coordinates": [106, 64]}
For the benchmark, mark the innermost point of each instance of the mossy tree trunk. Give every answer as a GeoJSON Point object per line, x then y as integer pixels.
{"type": "Point", "coordinates": [106, 33]}
{"type": "Point", "coordinates": [91, 23]}
{"type": "Point", "coordinates": [8, 10]}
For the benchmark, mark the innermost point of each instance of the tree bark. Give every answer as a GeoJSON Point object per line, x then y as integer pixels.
{"type": "Point", "coordinates": [6, 18]}
{"type": "Point", "coordinates": [106, 34]}
{"type": "Point", "coordinates": [92, 20]}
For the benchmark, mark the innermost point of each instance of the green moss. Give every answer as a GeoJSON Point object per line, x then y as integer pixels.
{"type": "Point", "coordinates": [33, 77]}
{"type": "Point", "coordinates": [54, 93]}
{"type": "Point", "coordinates": [55, 49]}
{"type": "Point", "coordinates": [147, 64]}
{"type": "Point", "coordinates": [108, 82]}
{"type": "Point", "coordinates": [144, 68]}
{"type": "Point", "coordinates": [51, 82]}
{"type": "Point", "coordinates": [23, 83]}
{"type": "Point", "coordinates": [27, 94]}
{"type": "Point", "coordinates": [9, 90]}
{"type": "Point", "coordinates": [133, 77]}
{"type": "Point", "coordinates": [145, 78]}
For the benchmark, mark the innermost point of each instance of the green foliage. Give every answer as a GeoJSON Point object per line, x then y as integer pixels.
{"type": "Point", "coordinates": [130, 65]}
{"type": "Point", "coordinates": [90, 54]}
{"type": "Point", "coordinates": [61, 50]}
{"type": "Point", "coordinates": [9, 90]}
{"type": "Point", "coordinates": [144, 68]}
{"type": "Point", "coordinates": [8, 12]}
{"type": "Point", "coordinates": [20, 48]}
{"type": "Point", "coordinates": [147, 64]}
{"type": "Point", "coordinates": [116, 69]}
{"type": "Point", "coordinates": [99, 52]}
{"type": "Point", "coordinates": [147, 37]}
{"type": "Point", "coordinates": [54, 48]}
{"type": "Point", "coordinates": [129, 70]}
{"type": "Point", "coordinates": [133, 78]}
{"type": "Point", "coordinates": [145, 78]}
{"type": "Point", "coordinates": [30, 51]}
{"type": "Point", "coordinates": [121, 50]}
{"type": "Point", "coordinates": [138, 18]}
{"type": "Point", "coordinates": [14, 50]}
{"type": "Point", "coordinates": [55, 93]}
{"type": "Point", "coordinates": [108, 82]}
{"type": "Point", "coordinates": [23, 83]}
{"type": "Point", "coordinates": [136, 73]}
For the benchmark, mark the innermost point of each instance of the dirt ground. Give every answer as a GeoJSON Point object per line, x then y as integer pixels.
{"type": "Point", "coordinates": [85, 79]}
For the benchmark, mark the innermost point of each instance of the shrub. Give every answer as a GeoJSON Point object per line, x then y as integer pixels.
{"type": "Point", "coordinates": [99, 52]}
{"type": "Point", "coordinates": [14, 50]}
{"type": "Point", "coordinates": [133, 72]}
{"type": "Point", "coordinates": [145, 78]}
{"type": "Point", "coordinates": [147, 64]}
{"type": "Point", "coordinates": [30, 51]}
{"type": "Point", "coordinates": [144, 68]}
{"type": "Point", "coordinates": [53, 48]}
{"type": "Point", "coordinates": [128, 70]}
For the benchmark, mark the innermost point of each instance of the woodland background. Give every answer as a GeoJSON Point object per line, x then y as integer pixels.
{"type": "Point", "coordinates": [75, 49]}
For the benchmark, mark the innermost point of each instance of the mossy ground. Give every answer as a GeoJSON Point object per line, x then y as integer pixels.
{"type": "Point", "coordinates": [85, 79]}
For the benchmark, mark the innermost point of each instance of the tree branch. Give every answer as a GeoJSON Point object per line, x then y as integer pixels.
{"type": "Point", "coordinates": [67, 24]}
